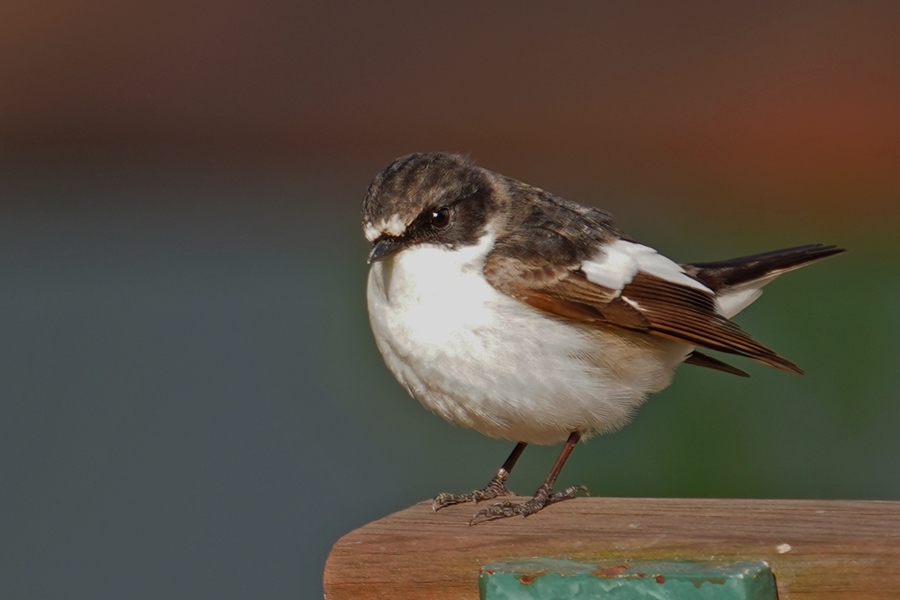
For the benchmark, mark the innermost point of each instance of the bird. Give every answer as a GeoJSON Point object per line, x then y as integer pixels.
{"type": "Point", "coordinates": [506, 309]}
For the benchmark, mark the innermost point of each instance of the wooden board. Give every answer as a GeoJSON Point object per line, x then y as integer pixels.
{"type": "Point", "coordinates": [827, 550]}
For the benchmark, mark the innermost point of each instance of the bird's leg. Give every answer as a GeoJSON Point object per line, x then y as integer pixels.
{"type": "Point", "coordinates": [542, 497]}
{"type": "Point", "coordinates": [497, 486]}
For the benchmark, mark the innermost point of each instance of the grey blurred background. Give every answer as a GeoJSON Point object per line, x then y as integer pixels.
{"type": "Point", "coordinates": [191, 404]}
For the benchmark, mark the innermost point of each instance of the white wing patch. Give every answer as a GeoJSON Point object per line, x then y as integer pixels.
{"type": "Point", "coordinates": [612, 268]}
{"type": "Point", "coordinates": [617, 264]}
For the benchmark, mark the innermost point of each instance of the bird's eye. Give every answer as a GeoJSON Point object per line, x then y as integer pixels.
{"type": "Point", "coordinates": [440, 218]}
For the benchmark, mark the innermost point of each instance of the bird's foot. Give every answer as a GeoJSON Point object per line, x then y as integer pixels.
{"type": "Point", "coordinates": [542, 498]}
{"type": "Point", "coordinates": [495, 489]}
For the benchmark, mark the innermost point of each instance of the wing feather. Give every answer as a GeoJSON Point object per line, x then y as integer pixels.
{"type": "Point", "coordinates": [648, 303]}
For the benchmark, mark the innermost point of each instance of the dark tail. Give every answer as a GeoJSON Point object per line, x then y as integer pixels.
{"type": "Point", "coordinates": [721, 275]}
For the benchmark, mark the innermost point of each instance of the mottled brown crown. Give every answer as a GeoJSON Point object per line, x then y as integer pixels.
{"type": "Point", "coordinates": [402, 197]}
{"type": "Point", "coordinates": [420, 181]}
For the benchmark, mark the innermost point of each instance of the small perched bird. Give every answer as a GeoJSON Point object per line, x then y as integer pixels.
{"type": "Point", "coordinates": [504, 308]}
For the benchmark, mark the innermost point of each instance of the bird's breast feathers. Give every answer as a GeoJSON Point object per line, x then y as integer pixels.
{"type": "Point", "coordinates": [484, 359]}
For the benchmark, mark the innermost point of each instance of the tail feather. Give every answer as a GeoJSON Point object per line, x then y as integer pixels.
{"type": "Point", "coordinates": [704, 360]}
{"type": "Point", "coordinates": [738, 282]}
{"type": "Point", "coordinates": [722, 275]}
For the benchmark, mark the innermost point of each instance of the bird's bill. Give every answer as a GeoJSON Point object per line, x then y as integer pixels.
{"type": "Point", "coordinates": [385, 247]}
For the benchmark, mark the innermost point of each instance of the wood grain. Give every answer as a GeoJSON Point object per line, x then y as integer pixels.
{"type": "Point", "coordinates": [838, 549]}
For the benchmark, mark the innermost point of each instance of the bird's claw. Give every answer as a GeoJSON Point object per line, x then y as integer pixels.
{"type": "Point", "coordinates": [542, 498]}
{"type": "Point", "coordinates": [495, 489]}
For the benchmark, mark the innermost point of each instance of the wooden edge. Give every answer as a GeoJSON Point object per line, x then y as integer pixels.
{"type": "Point", "coordinates": [817, 549]}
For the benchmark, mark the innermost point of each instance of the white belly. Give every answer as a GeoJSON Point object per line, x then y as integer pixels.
{"type": "Point", "coordinates": [484, 360]}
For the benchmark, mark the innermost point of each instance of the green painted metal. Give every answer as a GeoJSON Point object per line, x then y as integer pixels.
{"type": "Point", "coordinates": [555, 579]}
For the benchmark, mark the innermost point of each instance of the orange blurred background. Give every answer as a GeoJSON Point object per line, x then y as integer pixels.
{"type": "Point", "coordinates": [791, 106]}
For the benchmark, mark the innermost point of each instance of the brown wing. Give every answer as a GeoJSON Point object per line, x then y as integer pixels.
{"type": "Point", "coordinates": [563, 292]}
{"type": "Point", "coordinates": [648, 304]}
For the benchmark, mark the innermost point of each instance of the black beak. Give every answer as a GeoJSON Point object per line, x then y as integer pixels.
{"type": "Point", "coordinates": [385, 247]}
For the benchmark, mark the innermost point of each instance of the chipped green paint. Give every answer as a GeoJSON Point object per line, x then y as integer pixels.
{"type": "Point", "coordinates": [555, 579]}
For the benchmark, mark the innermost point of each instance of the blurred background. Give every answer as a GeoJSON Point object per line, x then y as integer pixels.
{"type": "Point", "coordinates": [191, 404]}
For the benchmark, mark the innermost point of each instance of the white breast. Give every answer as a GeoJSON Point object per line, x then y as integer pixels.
{"type": "Point", "coordinates": [484, 360]}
